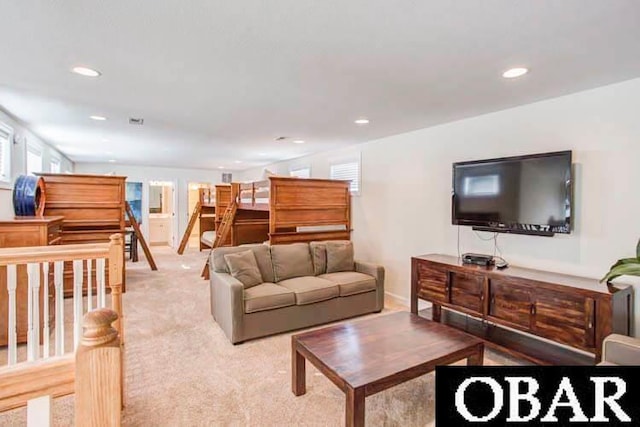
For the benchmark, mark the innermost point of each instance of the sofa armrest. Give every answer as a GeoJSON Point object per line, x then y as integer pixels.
{"type": "Point", "coordinates": [376, 271]}
{"type": "Point", "coordinates": [621, 350]}
{"type": "Point", "coordinates": [227, 304]}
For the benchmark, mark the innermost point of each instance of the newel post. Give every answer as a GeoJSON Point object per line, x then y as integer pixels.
{"type": "Point", "coordinates": [98, 382]}
{"type": "Point", "coordinates": [116, 260]}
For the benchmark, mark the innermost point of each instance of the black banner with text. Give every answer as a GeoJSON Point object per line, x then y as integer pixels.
{"type": "Point", "coordinates": [537, 395]}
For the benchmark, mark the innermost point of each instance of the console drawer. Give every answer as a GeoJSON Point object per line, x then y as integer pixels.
{"type": "Point", "coordinates": [432, 283]}
{"type": "Point", "coordinates": [566, 318]}
{"type": "Point", "coordinates": [511, 303]}
{"type": "Point", "coordinates": [467, 290]}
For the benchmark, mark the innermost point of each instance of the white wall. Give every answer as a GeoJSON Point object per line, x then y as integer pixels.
{"type": "Point", "coordinates": [180, 177]}
{"type": "Point", "coordinates": [405, 204]}
{"type": "Point", "coordinates": [18, 160]}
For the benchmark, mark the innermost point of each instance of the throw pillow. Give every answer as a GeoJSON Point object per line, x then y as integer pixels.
{"type": "Point", "coordinates": [244, 267]}
{"type": "Point", "coordinates": [319, 257]}
{"type": "Point", "coordinates": [292, 260]}
{"type": "Point", "coordinates": [339, 256]}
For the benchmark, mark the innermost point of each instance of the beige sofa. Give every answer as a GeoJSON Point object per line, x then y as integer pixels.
{"type": "Point", "coordinates": [296, 290]}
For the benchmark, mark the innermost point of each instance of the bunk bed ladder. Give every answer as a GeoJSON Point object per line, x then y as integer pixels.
{"type": "Point", "coordinates": [222, 233]}
{"type": "Point", "coordinates": [187, 232]}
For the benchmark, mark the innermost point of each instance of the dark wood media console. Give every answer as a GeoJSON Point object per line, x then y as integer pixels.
{"type": "Point", "coordinates": [574, 311]}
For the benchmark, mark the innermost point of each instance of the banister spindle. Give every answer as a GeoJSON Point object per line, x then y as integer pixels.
{"type": "Point", "coordinates": [77, 301]}
{"type": "Point", "coordinates": [98, 380]}
{"type": "Point", "coordinates": [33, 315]}
{"type": "Point", "coordinates": [45, 309]}
{"type": "Point", "coordinates": [89, 286]}
{"type": "Point", "coordinates": [116, 261]}
{"type": "Point", "coordinates": [100, 288]}
{"type": "Point", "coordinates": [12, 340]}
{"type": "Point", "coordinates": [58, 279]}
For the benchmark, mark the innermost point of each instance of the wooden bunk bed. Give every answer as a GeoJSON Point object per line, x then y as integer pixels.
{"type": "Point", "coordinates": [281, 210]}
{"type": "Point", "coordinates": [277, 210]}
{"type": "Point", "coordinates": [287, 210]}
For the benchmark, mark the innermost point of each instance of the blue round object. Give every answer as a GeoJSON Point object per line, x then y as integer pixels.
{"type": "Point", "coordinates": [27, 193]}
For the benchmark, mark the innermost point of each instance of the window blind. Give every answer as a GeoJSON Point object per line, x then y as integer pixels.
{"type": "Point", "coordinates": [55, 166]}
{"type": "Point", "coordinates": [34, 161]}
{"type": "Point", "coordinates": [5, 155]}
{"type": "Point", "coordinates": [348, 171]}
{"type": "Point", "coordinates": [301, 173]}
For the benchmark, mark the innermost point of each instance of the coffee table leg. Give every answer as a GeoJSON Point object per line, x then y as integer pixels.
{"type": "Point", "coordinates": [298, 373]}
{"type": "Point", "coordinates": [355, 407]}
{"type": "Point", "coordinates": [477, 359]}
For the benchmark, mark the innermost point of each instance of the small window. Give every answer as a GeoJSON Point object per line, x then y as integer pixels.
{"type": "Point", "coordinates": [5, 154]}
{"type": "Point", "coordinates": [348, 171]}
{"type": "Point", "coordinates": [34, 160]}
{"type": "Point", "coordinates": [300, 172]}
{"type": "Point", "coordinates": [54, 167]}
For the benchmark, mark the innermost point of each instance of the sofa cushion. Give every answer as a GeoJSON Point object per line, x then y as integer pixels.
{"type": "Point", "coordinates": [310, 289]}
{"type": "Point", "coordinates": [261, 252]}
{"type": "Point", "coordinates": [339, 256]}
{"type": "Point", "coordinates": [292, 260]}
{"type": "Point", "coordinates": [243, 266]}
{"type": "Point", "coordinates": [319, 257]}
{"type": "Point", "coordinates": [351, 282]}
{"type": "Point", "coordinates": [267, 296]}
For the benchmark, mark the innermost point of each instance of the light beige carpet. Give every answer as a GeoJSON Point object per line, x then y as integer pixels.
{"type": "Point", "coordinates": [182, 371]}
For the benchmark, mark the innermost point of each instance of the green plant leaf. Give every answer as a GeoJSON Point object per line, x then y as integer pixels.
{"type": "Point", "coordinates": [638, 249]}
{"type": "Point", "coordinates": [626, 269]}
{"type": "Point", "coordinates": [625, 261]}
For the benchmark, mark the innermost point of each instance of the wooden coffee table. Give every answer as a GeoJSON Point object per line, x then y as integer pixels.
{"type": "Point", "coordinates": [367, 356]}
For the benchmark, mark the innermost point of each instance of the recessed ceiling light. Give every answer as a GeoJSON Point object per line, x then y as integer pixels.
{"type": "Point", "coordinates": [220, 167]}
{"type": "Point", "coordinates": [361, 121]}
{"type": "Point", "coordinates": [298, 141]}
{"type": "Point", "coordinates": [238, 161]}
{"type": "Point", "coordinates": [112, 161]}
{"type": "Point", "coordinates": [515, 72]}
{"type": "Point", "coordinates": [87, 72]}
{"type": "Point", "coordinates": [100, 118]}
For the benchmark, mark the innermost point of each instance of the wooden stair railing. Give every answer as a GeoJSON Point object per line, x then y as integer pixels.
{"type": "Point", "coordinates": [33, 278]}
{"type": "Point", "coordinates": [95, 374]}
{"type": "Point", "coordinates": [222, 233]}
{"type": "Point", "coordinates": [50, 371]}
{"type": "Point", "coordinates": [187, 232]}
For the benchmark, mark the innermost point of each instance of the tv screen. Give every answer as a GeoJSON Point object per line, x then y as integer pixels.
{"type": "Point", "coordinates": [525, 194]}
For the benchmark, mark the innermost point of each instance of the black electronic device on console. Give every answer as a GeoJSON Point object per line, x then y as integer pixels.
{"type": "Point", "coordinates": [477, 259]}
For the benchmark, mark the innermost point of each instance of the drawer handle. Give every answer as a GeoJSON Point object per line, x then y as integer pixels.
{"type": "Point", "coordinates": [481, 297]}
{"type": "Point", "coordinates": [533, 309]}
{"type": "Point", "coordinates": [590, 325]}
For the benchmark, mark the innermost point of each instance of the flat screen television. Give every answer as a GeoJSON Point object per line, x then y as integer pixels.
{"type": "Point", "coordinates": [524, 194]}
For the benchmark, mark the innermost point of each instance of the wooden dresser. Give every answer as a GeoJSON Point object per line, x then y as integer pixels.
{"type": "Point", "coordinates": [23, 232]}
{"type": "Point", "coordinates": [93, 207]}
{"type": "Point", "coordinates": [493, 304]}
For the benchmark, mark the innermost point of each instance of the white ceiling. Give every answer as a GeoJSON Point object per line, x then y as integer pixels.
{"type": "Point", "coordinates": [217, 81]}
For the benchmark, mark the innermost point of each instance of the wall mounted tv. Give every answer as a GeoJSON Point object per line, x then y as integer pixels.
{"type": "Point", "coordinates": [524, 194]}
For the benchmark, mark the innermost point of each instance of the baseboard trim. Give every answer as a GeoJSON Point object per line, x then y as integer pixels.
{"type": "Point", "coordinates": [406, 301]}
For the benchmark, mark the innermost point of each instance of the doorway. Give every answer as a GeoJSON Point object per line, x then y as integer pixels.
{"type": "Point", "coordinates": [193, 198]}
{"type": "Point", "coordinates": [161, 213]}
